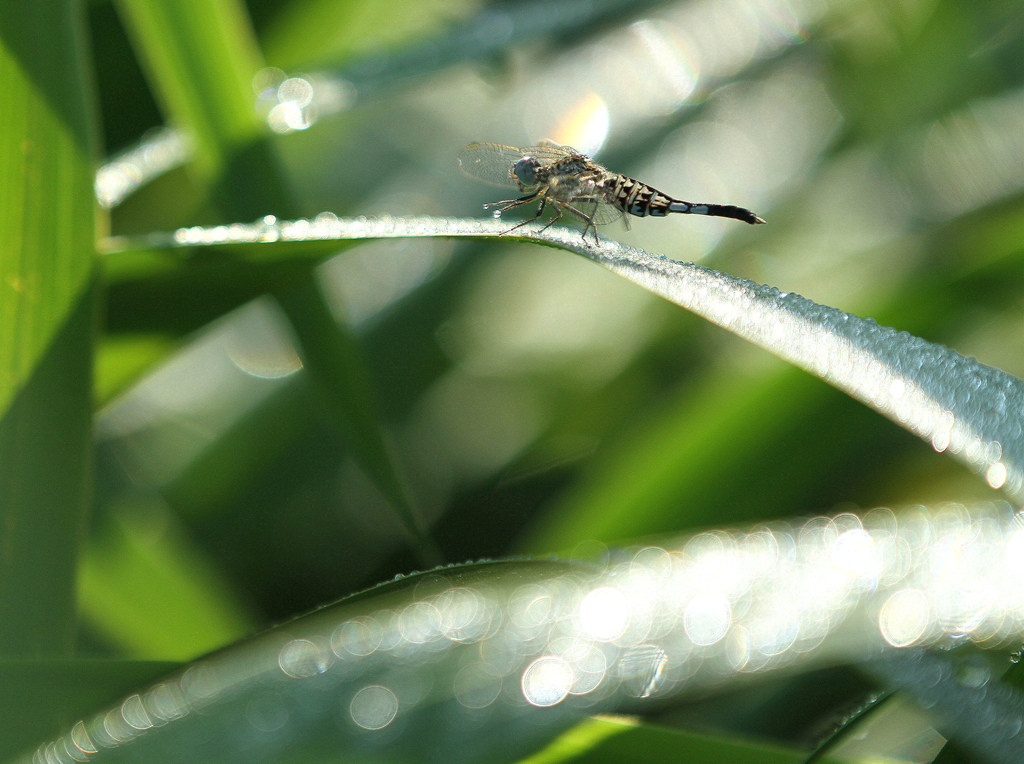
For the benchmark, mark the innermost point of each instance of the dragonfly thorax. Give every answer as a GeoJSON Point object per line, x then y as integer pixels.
{"type": "Point", "coordinates": [525, 171]}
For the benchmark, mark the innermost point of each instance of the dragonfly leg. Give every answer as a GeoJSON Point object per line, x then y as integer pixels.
{"type": "Point", "coordinates": [589, 219]}
{"type": "Point", "coordinates": [555, 219]}
{"type": "Point", "coordinates": [540, 211]}
{"type": "Point", "coordinates": [590, 224]}
{"type": "Point", "coordinates": [506, 204]}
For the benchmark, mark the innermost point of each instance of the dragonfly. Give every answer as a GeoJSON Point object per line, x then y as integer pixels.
{"type": "Point", "coordinates": [569, 181]}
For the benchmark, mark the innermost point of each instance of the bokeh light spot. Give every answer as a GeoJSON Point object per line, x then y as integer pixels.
{"type": "Point", "coordinates": [303, 658]}
{"type": "Point", "coordinates": [547, 681]}
{"type": "Point", "coordinates": [374, 707]}
{"type": "Point", "coordinates": [707, 618]}
{"type": "Point", "coordinates": [904, 617]}
{"type": "Point", "coordinates": [604, 614]}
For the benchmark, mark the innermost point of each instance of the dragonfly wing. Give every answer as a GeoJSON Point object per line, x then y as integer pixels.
{"type": "Point", "coordinates": [491, 162]}
{"type": "Point", "coordinates": [548, 153]}
{"type": "Point", "coordinates": [583, 207]}
{"type": "Point", "coordinates": [605, 213]}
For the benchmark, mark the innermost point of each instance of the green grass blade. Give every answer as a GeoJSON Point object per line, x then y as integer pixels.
{"type": "Point", "coordinates": [47, 302]}
{"type": "Point", "coordinates": [31, 714]}
{"type": "Point", "coordinates": [402, 671]}
{"type": "Point", "coordinates": [155, 594]}
{"type": "Point", "coordinates": [610, 740]}
{"type": "Point", "coordinates": [926, 388]}
{"type": "Point", "coordinates": [198, 58]}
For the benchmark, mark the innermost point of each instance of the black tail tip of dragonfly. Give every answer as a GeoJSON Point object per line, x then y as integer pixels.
{"type": "Point", "coordinates": [716, 210]}
{"type": "Point", "coordinates": [737, 213]}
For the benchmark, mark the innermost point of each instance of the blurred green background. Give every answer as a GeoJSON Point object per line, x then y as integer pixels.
{"type": "Point", "coordinates": [517, 398]}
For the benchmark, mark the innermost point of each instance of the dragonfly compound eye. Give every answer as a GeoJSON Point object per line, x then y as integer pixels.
{"type": "Point", "coordinates": [525, 171]}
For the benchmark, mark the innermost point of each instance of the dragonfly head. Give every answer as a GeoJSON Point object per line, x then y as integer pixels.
{"type": "Point", "coordinates": [525, 171]}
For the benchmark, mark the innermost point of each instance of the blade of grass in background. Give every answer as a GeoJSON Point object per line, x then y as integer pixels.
{"type": "Point", "coordinates": [426, 651]}
{"type": "Point", "coordinates": [617, 739]}
{"type": "Point", "coordinates": [47, 323]}
{"type": "Point", "coordinates": [201, 73]}
{"type": "Point", "coordinates": [47, 304]}
{"type": "Point", "coordinates": [246, 182]}
{"type": "Point", "coordinates": [32, 709]}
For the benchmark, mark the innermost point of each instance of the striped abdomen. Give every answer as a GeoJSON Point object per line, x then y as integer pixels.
{"type": "Point", "coordinates": [642, 200]}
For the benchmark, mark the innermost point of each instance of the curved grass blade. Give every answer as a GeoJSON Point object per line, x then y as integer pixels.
{"type": "Point", "coordinates": [489, 661]}
{"type": "Point", "coordinates": [956, 404]}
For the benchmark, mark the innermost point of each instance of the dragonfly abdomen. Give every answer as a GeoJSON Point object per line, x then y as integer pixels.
{"type": "Point", "coordinates": [639, 199]}
{"type": "Point", "coordinates": [642, 200]}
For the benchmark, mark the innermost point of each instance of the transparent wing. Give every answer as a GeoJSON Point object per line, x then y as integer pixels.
{"type": "Point", "coordinates": [604, 213]}
{"type": "Point", "coordinates": [548, 153]}
{"type": "Point", "coordinates": [491, 162]}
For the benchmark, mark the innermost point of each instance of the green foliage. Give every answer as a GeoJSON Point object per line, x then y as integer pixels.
{"type": "Point", "coordinates": [47, 305]}
{"type": "Point", "coordinates": [482, 399]}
